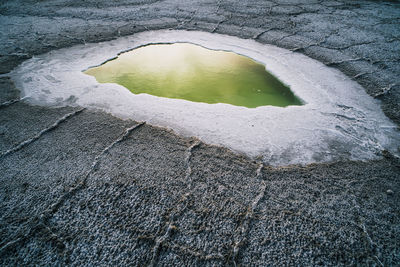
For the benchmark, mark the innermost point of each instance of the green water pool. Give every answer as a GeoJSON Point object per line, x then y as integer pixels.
{"type": "Point", "coordinates": [194, 73]}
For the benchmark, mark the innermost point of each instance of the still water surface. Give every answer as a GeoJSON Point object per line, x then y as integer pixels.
{"type": "Point", "coordinates": [194, 73]}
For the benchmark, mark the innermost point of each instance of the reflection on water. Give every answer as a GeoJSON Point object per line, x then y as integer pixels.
{"type": "Point", "coordinates": [194, 73]}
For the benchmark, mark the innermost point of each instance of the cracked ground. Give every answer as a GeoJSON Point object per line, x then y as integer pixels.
{"type": "Point", "coordinates": [81, 187]}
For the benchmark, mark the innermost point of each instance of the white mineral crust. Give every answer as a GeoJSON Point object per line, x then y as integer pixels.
{"type": "Point", "coordinates": [338, 121]}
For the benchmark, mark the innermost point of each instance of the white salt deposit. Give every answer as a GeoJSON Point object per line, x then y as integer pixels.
{"type": "Point", "coordinates": [339, 120]}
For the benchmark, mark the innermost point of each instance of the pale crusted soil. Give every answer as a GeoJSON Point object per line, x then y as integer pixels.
{"type": "Point", "coordinates": [80, 187]}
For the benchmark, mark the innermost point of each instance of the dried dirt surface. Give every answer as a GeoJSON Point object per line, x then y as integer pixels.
{"type": "Point", "coordinates": [81, 187]}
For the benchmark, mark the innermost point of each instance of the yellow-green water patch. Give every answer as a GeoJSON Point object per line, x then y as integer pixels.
{"type": "Point", "coordinates": [194, 73]}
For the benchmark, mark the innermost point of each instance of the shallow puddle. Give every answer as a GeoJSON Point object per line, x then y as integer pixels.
{"type": "Point", "coordinates": [194, 73]}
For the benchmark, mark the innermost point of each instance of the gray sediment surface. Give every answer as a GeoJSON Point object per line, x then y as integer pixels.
{"type": "Point", "coordinates": [81, 187]}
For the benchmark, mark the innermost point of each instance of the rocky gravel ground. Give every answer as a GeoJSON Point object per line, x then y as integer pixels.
{"type": "Point", "coordinates": [81, 187]}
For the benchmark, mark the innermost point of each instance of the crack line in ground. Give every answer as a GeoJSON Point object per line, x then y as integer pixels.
{"type": "Point", "coordinates": [361, 74]}
{"type": "Point", "coordinates": [258, 35]}
{"type": "Point", "coordinates": [176, 211]}
{"type": "Point", "coordinates": [217, 25]}
{"type": "Point", "coordinates": [317, 43]}
{"type": "Point", "coordinates": [187, 162]}
{"type": "Point", "coordinates": [41, 133]}
{"type": "Point", "coordinates": [332, 63]}
{"type": "Point", "coordinates": [53, 208]}
{"type": "Point", "coordinates": [363, 228]}
{"type": "Point", "coordinates": [39, 222]}
{"type": "Point", "coordinates": [240, 238]}
{"type": "Point", "coordinates": [384, 91]}
{"type": "Point", "coordinates": [159, 240]}
{"type": "Point", "coordinates": [184, 20]}
{"type": "Point", "coordinates": [10, 102]}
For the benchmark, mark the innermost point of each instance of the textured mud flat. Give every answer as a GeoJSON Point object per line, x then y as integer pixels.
{"type": "Point", "coordinates": [81, 187]}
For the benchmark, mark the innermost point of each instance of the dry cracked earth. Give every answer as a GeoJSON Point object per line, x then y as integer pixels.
{"type": "Point", "coordinates": [81, 187]}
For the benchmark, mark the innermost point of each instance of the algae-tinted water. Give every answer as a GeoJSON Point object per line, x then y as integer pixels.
{"type": "Point", "coordinates": [194, 73]}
